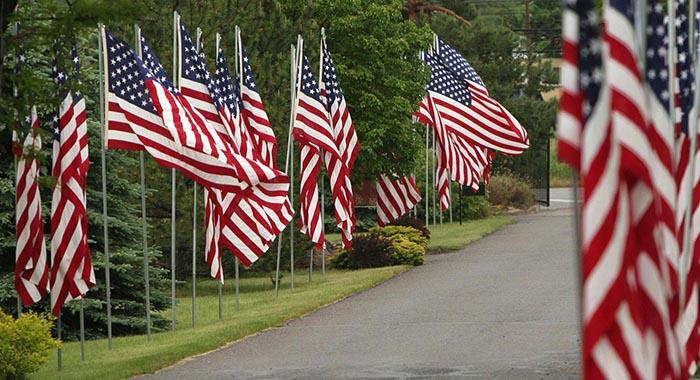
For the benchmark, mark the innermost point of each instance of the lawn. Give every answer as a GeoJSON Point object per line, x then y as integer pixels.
{"type": "Point", "coordinates": [258, 310]}
{"type": "Point", "coordinates": [453, 236]}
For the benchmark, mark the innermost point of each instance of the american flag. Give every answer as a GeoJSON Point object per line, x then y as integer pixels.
{"type": "Point", "coordinates": [484, 112]}
{"type": "Point", "coordinates": [626, 296]}
{"type": "Point", "coordinates": [31, 265]}
{"type": "Point", "coordinates": [396, 195]}
{"type": "Point", "coordinates": [254, 117]}
{"type": "Point", "coordinates": [312, 126]}
{"type": "Point", "coordinates": [461, 156]}
{"type": "Point", "coordinates": [145, 109]}
{"type": "Point", "coordinates": [344, 133]}
{"type": "Point", "coordinates": [251, 222]}
{"type": "Point", "coordinates": [72, 274]}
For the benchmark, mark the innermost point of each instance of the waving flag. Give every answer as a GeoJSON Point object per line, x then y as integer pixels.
{"type": "Point", "coordinates": [31, 265]}
{"type": "Point", "coordinates": [395, 197]}
{"type": "Point", "coordinates": [249, 224]}
{"type": "Point", "coordinates": [312, 126]}
{"type": "Point", "coordinates": [72, 274]}
{"type": "Point", "coordinates": [345, 137]}
{"type": "Point", "coordinates": [142, 102]}
{"type": "Point", "coordinates": [309, 203]}
{"type": "Point", "coordinates": [458, 154]}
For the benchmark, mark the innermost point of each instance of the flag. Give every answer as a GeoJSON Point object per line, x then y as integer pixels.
{"type": "Point", "coordinates": [471, 112]}
{"type": "Point", "coordinates": [312, 126]}
{"type": "Point", "coordinates": [459, 155]}
{"type": "Point", "coordinates": [627, 301]}
{"type": "Point", "coordinates": [142, 102]}
{"type": "Point", "coordinates": [396, 196]}
{"type": "Point", "coordinates": [31, 266]}
{"type": "Point", "coordinates": [344, 132]}
{"type": "Point", "coordinates": [253, 115]}
{"type": "Point", "coordinates": [252, 221]}
{"type": "Point", "coordinates": [72, 274]}
{"type": "Point", "coordinates": [484, 112]}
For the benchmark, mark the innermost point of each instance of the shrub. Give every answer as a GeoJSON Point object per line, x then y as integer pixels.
{"type": "Point", "coordinates": [410, 221]}
{"type": "Point", "coordinates": [408, 243]}
{"type": "Point", "coordinates": [509, 191]}
{"type": "Point", "coordinates": [368, 250]}
{"type": "Point", "coordinates": [401, 232]}
{"type": "Point", "coordinates": [24, 344]}
{"type": "Point", "coordinates": [473, 207]}
{"type": "Point", "coordinates": [407, 252]}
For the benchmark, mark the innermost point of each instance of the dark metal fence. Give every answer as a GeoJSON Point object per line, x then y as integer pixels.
{"type": "Point", "coordinates": [533, 166]}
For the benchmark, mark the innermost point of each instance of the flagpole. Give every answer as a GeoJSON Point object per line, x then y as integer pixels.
{"type": "Point", "coordinates": [293, 72]}
{"type": "Point", "coordinates": [194, 222]}
{"type": "Point", "coordinates": [427, 180]}
{"type": "Point", "coordinates": [103, 161]}
{"type": "Point", "coordinates": [434, 184]}
{"type": "Point", "coordinates": [451, 203]}
{"type": "Point", "coordinates": [82, 331]}
{"type": "Point", "coordinates": [59, 353]}
{"type": "Point", "coordinates": [238, 58]}
{"type": "Point", "coordinates": [15, 30]}
{"type": "Point", "coordinates": [144, 225]}
{"type": "Point", "coordinates": [323, 182]}
{"type": "Point", "coordinates": [300, 51]}
{"type": "Point", "coordinates": [692, 132]}
{"type": "Point", "coordinates": [173, 194]}
{"type": "Point", "coordinates": [219, 286]}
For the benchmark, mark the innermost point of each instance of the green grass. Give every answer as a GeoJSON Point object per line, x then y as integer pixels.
{"type": "Point", "coordinates": [258, 311]}
{"type": "Point", "coordinates": [453, 236]}
{"type": "Point", "coordinates": [559, 172]}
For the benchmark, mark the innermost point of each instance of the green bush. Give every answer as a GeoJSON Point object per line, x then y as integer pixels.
{"type": "Point", "coordinates": [509, 191]}
{"type": "Point", "coordinates": [395, 232]}
{"type": "Point", "coordinates": [407, 252]}
{"type": "Point", "coordinates": [408, 243]}
{"type": "Point", "coordinates": [368, 250]}
{"type": "Point", "coordinates": [24, 344]}
{"type": "Point", "coordinates": [473, 207]}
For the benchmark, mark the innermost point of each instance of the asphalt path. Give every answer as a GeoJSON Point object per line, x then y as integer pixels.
{"type": "Point", "coordinates": [502, 308]}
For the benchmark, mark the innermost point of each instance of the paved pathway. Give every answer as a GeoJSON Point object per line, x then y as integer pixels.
{"type": "Point", "coordinates": [504, 307]}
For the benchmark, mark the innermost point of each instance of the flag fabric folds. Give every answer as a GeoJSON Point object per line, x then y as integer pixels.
{"type": "Point", "coordinates": [72, 274]}
{"type": "Point", "coordinates": [345, 137]}
{"type": "Point", "coordinates": [396, 195]}
{"type": "Point", "coordinates": [31, 264]}
{"type": "Point", "coordinates": [146, 112]}
{"type": "Point", "coordinates": [312, 126]}
{"type": "Point", "coordinates": [628, 296]}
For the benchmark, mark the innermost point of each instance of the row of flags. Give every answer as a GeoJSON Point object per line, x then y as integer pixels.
{"type": "Point", "coordinates": [70, 274]}
{"type": "Point", "coordinates": [624, 121]}
{"type": "Point", "coordinates": [214, 129]}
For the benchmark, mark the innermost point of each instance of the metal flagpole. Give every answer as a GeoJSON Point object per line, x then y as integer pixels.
{"type": "Point", "coordinates": [194, 223]}
{"type": "Point", "coordinates": [293, 87]}
{"type": "Point", "coordinates": [323, 218]}
{"type": "Point", "coordinates": [219, 286]}
{"type": "Point", "coordinates": [427, 180]}
{"type": "Point", "coordinates": [300, 51]}
{"type": "Point", "coordinates": [82, 331]}
{"type": "Point", "coordinates": [59, 352]}
{"type": "Point", "coordinates": [433, 185]}
{"type": "Point", "coordinates": [692, 132]}
{"type": "Point", "coordinates": [15, 30]}
{"type": "Point", "coordinates": [144, 224]}
{"type": "Point", "coordinates": [238, 58]}
{"type": "Point", "coordinates": [103, 161]}
{"type": "Point", "coordinates": [451, 203]}
{"type": "Point", "coordinates": [173, 178]}
{"type": "Point", "coordinates": [578, 262]}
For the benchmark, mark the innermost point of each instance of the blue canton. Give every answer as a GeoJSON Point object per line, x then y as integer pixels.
{"type": "Point", "coordinates": [330, 78]}
{"type": "Point", "coordinates": [308, 84]}
{"type": "Point", "coordinates": [229, 93]}
{"type": "Point", "coordinates": [657, 68]}
{"type": "Point", "coordinates": [457, 64]}
{"type": "Point", "coordinates": [444, 83]}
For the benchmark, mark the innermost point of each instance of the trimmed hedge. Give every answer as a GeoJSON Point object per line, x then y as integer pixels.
{"type": "Point", "coordinates": [381, 246]}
